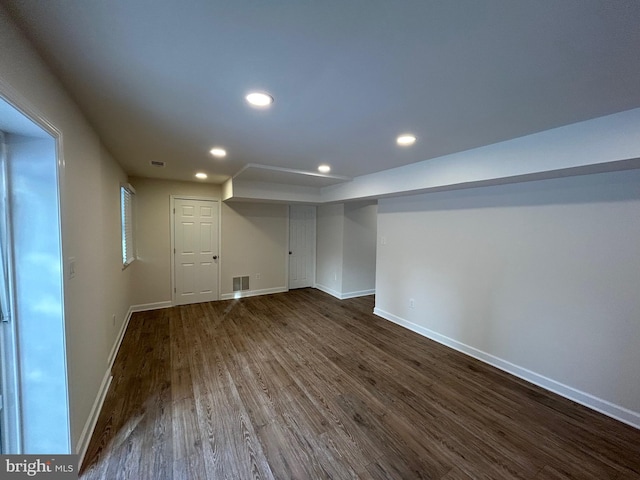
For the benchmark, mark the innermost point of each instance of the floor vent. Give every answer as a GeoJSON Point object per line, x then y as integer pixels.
{"type": "Point", "coordinates": [240, 283]}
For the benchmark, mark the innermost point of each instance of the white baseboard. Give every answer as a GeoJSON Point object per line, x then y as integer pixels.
{"type": "Point", "coordinates": [343, 296]}
{"type": "Point", "coordinates": [598, 404]}
{"type": "Point", "coordinates": [116, 344]}
{"type": "Point", "coordinates": [145, 307]}
{"type": "Point", "coordinates": [328, 290]}
{"type": "Point", "coordinates": [360, 293]}
{"type": "Point", "coordinates": [253, 293]}
{"type": "Point", "coordinates": [90, 425]}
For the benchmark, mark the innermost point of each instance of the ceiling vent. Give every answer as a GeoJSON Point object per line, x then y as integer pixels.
{"type": "Point", "coordinates": [157, 163]}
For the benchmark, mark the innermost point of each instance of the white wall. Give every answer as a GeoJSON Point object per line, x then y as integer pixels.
{"type": "Point", "coordinates": [152, 269]}
{"type": "Point", "coordinates": [539, 278]}
{"type": "Point", "coordinates": [359, 248]}
{"type": "Point", "coordinates": [91, 225]}
{"type": "Point", "coordinates": [329, 245]}
{"type": "Point", "coordinates": [346, 248]}
{"type": "Point", "coordinates": [254, 241]}
{"type": "Point", "coordinates": [242, 190]}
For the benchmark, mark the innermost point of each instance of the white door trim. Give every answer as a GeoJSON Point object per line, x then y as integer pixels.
{"type": "Point", "coordinates": [313, 244]}
{"type": "Point", "coordinates": [173, 198]}
{"type": "Point", "coordinates": [287, 249]}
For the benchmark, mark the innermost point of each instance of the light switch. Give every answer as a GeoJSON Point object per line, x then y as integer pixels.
{"type": "Point", "coordinates": [72, 267]}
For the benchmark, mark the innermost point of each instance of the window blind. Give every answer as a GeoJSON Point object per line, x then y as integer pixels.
{"type": "Point", "coordinates": [127, 196]}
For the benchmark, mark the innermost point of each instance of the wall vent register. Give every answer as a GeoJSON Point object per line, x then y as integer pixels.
{"type": "Point", "coordinates": [240, 283]}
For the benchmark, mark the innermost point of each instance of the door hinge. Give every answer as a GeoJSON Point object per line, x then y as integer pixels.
{"type": "Point", "coordinates": [174, 211]}
{"type": "Point", "coordinates": [5, 318]}
{"type": "Point", "coordinates": [174, 289]}
{"type": "Point", "coordinates": [174, 251]}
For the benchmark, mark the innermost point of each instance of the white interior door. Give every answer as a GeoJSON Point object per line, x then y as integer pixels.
{"type": "Point", "coordinates": [302, 246]}
{"type": "Point", "coordinates": [196, 256]}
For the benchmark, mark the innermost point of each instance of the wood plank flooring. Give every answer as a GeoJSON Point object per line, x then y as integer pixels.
{"type": "Point", "coordinates": [302, 386]}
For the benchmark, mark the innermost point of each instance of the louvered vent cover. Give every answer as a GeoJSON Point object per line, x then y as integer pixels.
{"type": "Point", "coordinates": [240, 283]}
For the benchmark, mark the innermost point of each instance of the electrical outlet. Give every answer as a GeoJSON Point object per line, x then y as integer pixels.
{"type": "Point", "coordinates": [258, 276]}
{"type": "Point", "coordinates": [412, 303]}
{"type": "Point", "coordinates": [113, 320]}
{"type": "Point", "coordinates": [383, 240]}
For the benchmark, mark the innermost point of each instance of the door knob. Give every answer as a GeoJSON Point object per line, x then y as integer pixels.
{"type": "Point", "coordinates": [290, 252]}
{"type": "Point", "coordinates": [215, 257]}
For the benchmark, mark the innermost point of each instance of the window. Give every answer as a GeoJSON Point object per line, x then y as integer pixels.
{"type": "Point", "coordinates": [127, 196]}
{"type": "Point", "coordinates": [33, 367]}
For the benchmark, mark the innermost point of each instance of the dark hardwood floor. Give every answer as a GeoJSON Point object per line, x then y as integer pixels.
{"type": "Point", "coordinates": [303, 386]}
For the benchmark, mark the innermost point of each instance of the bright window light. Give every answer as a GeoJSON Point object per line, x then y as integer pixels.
{"type": "Point", "coordinates": [127, 196]}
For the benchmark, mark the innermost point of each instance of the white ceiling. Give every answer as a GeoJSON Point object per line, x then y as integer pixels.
{"type": "Point", "coordinates": [165, 80]}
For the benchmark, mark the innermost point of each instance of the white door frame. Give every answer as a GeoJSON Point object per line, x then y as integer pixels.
{"type": "Point", "coordinates": [173, 198]}
{"type": "Point", "coordinates": [287, 249]}
{"type": "Point", "coordinates": [315, 243]}
{"type": "Point", "coordinates": [10, 406]}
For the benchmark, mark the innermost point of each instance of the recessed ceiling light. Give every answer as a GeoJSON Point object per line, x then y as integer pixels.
{"type": "Point", "coordinates": [406, 139]}
{"type": "Point", "coordinates": [201, 175]}
{"type": "Point", "coordinates": [259, 99]}
{"type": "Point", "coordinates": [218, 152]}
{"type": "Point", "coordinates": [324, 168]}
